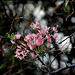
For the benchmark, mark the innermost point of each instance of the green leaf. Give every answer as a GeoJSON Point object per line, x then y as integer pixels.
{"type": "Point", "coordinates": [2, 66]}
{"type": "Point", "coordinates": [7, 33]}
{"type": "Point", "coordinates": [3, 13]}
{"type": "Point", "coordinates": [11, 37]}
{"type": "Point", "coordinates": [65, 5]}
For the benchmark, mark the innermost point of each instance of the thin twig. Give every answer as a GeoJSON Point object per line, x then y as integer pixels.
{"type": "Point", "coordinates": [6, 72]}
{"type": "Point", "coordinates": [11, 67]}
{"type": "Point", "coordinates": [59, 54]}
{"type": "Point", "coordinates": [63, 68]}
{"type": "Point", "coordinates": [70, 15]}
{"type": "Point", "coordinates": [65, 39]}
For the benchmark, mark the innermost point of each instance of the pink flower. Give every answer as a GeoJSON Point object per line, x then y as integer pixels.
{"type": "Point", "coordinates": [48, 45]}
{"type": "Point", "coordinates": [18, 47]}
{"type": "Point", "coordinates": [42, 32]}
{"type": "Point", "coordinates": [17, 36]}
{"type": "Point", "coordinates": [36, 25]}
{"type": "Point", "coordinates": [55, 29]}
{"type": "Point", "coordinates": [24, 53]}
{"type": "Point", "coordinates": [55, 35]}
{"type": "Point", "coordinates": [12, 42]}
{"type": "Point", "coordinates": [48, 38]}
{"type": "Point", "coordinates": [30, 46]}
{"type": "Point", "coordinates": [30, 39]}
{"type": "Point", "coordinates": [20, 53]}
{"type": "Point", "coordinates": [39, 40]}
{"type": "Point", "coordinates": [47, 28]}
{"type": "Point", "coordinates": [33, 40]}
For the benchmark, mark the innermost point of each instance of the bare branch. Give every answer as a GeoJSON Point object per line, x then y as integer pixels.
{"type": "Point", "coordinates": [63, 68]}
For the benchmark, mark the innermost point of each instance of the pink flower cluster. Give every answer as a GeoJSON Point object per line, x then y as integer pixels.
{"type": "Point", "coordinates": [44, 32]}
{"type": "Point", "coordinates": [33, 40]}
{"type": "Point", "coordinates": [20, 53]}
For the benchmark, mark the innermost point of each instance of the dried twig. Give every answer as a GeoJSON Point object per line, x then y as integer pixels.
{"type": "Point", "coordinates": [63, 68]}
{"type": "Point", "coordinates": [65, 39]}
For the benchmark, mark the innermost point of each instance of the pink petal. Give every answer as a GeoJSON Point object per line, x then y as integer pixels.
{"type": "Point", "coordinates": [12, 42]}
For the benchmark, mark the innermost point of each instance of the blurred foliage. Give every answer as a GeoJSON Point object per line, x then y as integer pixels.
{"type": "Point", "coordinates": [2, 66]}
{"type": "Point", "coordinates": [4, 19]}
{"type": "Point", "coordinates": [46, 4]}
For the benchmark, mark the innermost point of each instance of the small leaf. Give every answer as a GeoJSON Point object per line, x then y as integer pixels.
{"type": "Point", "coordinates": [11, 37]}
{"type": "Point", "coordinates": [65, 5]}
{"type": "Point", "coordinates": [7, 33]}
{"type": "Point", "coordinates": [2, 66]}
{"type": "Point", "coordinates": [3, 13]}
